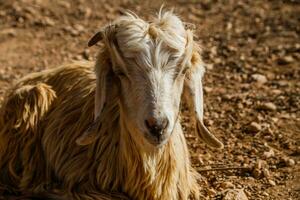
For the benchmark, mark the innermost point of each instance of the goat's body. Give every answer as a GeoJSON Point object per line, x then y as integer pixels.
{"type": "Point", "coordinates": [41, 119]}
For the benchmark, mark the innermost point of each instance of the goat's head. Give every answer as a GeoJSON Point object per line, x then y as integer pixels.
{"type": "Point", "coordinates": [150, 64]}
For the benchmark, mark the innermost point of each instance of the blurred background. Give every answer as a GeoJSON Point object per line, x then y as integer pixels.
{"type": "Point", "coordinates": [252, 82]}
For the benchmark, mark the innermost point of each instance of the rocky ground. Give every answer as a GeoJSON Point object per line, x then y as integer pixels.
{"type": "Point", "coordinates": [252, 84]}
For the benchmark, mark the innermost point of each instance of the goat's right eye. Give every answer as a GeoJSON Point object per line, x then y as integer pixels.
{"type": "Point", "coordinates": [184, 70]}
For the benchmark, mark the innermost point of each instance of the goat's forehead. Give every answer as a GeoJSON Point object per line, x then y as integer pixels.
{"type": "Point", "coordinates": [135, 34]}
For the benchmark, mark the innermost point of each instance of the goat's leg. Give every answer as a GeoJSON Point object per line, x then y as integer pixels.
{"type": "Point", "coordinates": [96, 195]}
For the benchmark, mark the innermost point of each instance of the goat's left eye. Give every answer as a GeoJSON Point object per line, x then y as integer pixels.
{"type": "Point", "coordinates": [184, 70]}
{"type": "Point", "coordinates": [172, 58]}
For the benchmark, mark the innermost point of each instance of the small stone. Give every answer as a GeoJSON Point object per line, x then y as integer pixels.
{"type": "Point", "coordinates": [209, 66]}
{"type": "Point", "coordinates": [275, 120]}
{"type": "Point", "coordinates": [271, 182]}
{"type": "Point", "coordinates": [236, 194]}
{"type": "Point", "coordinates": [207, 89]}
{"type": "Point", "coordinates": [256, 173]}
{"type": "Point", "coordinates": [217, 60]}
{"type": "Point", "coordinates": [87, 12]}
{"type": "Point", "coordinates": [78, 57]}
{"type": "Point", "coordinates": [79, 28]}
{"type": "Point", "coordinates": [260, 164]}
{"type": "Point", "coordinates": [276, 92]}
{"type": "Point", "coordinates": [285, 60]}
{"type": "Point", "coordinates": [268, 106]}
{"type": "Point", "coordinates": [289, 162]}
{"type": "Point", "coordinates": [259, 78]}
{"type": "Point", "coordinates": [65, 4]}
{"type": "Point", "coordinates": [253, 127]}
{"type": "Point", "coordinates": [240, 158]}
{"type": "Point", "coordinates": [265, 194]}
{"type": "Point", "coordinates": [86, 54]}
{"type": "Point", "coordinates": [210, 122]}
{"type": "Point", "coordinates": [266, 172]}
{"type": "Point", "coordinates": [2, 13]}
{"type": "Point", "coordinates": [269, 154]}
{"type": "Point", "coordinates": [200, 159]}
{"type": "Point", "coordinates": [226, 185]}
{"type": "Point", "coordinates": [48, 21]}
{"type": "Point", "coordinates": [9, 32]}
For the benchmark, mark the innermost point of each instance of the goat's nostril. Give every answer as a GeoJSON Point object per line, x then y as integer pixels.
{"type": "Point", "coordinates": [156, 127]}
{"type": "Point", "coordinates": [151, 122]}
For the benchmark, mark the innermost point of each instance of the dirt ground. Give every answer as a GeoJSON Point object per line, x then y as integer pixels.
{"type": "Point", "coordinates": [252, 84]}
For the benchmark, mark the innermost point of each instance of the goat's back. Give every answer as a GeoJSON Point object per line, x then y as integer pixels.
{"type": "Point", "coordinates": [39, 121]}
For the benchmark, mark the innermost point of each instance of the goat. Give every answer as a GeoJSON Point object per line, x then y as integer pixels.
{"type": "Point", "coordinates": [115, 129]}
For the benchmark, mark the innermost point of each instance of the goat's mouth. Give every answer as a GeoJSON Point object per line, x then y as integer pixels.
{"type": "Point", "coordinates": [157, 140]}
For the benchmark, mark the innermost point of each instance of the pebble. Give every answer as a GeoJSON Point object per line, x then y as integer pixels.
{"type": "Point", "coordinates": [240, 158]}
{"type": "Point", "coordinates": [266, 172]}
{"type": "Point", "coordinates": [79, 28]}
{"type": "Point", "coordinates": [271, 182]}
{"type": "Point", "coordinates": [236, 194]}
{"type": "Point", "coordinates": [259, 78]}
{"type": "Point", "coordinates": [265, 194]}
{"type": "Point", "coordinates": [200, 159]}
{"type": "Point", "coordinates": [226, 185]}
{"type": "Point", "coordinates": [289, 162]}
{"type": "Point", "coordinates": [207, 89]}
{"type": "Point", "coordinates": [256, 173]}
{"type": "Point", "coordinates": [87, 12]}
{"type": "Point", "coordinates": [285, 60]}
{"type": "Point", "coordinates": [269, 154]}
{"type": "Point", "coordinates": [78, 57]}
{"type": "Point", "coordinates": [268, 106]}
{"type": "Point", "coordinates": [48, 21]}
{"type": "Point", "coordinates": [260, 164]}
{"type": "Point", "coordinates": [254, 127]}
{"type": "Point", "coordinates": [9, 32]}
{"type": "Point", "coordinates": [65, 4]}
{"type": "Point", "coordinates": [209, 66]}
{"type": "Point", "coordinates": [86, 54]}
{"type": "Point", "coordinates": [276, 92]}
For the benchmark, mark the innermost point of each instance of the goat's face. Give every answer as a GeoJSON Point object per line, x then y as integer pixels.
{"type": "Point", "coordinates": [150, 61]}
{"type": "Point", "coordinates": [151, 87]}
{"type": "Point", "coordinates": [151, 75]}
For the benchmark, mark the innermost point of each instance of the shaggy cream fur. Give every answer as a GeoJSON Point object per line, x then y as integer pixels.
{"type": "Point", "coordinates": [78, 134]}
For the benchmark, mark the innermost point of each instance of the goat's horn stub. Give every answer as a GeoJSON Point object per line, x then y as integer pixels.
{"type": "Point", "coordinates": [95, 39]}
{"type": "Point", "coordinates": [207, 136]}
{"type": "Point", "coordinates": [90, 135]}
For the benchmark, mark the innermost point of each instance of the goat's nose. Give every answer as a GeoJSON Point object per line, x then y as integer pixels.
{"type": "Point", "coordinates": [156, 126]}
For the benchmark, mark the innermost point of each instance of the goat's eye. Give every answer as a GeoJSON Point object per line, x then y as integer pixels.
{"type": "Point", "coordinates": [172, 59]}
{"type": "Point", "coordinates": [184, 70]}
{"type": "Point", "coordinates": [181, 72]}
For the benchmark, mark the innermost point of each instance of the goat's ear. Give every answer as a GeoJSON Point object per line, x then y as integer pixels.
{"type": "Point", "coordinates": [106, 95]}
{"type": "Point", "coordinates": [193, 94]}
{"type": "Point", "coordinates": [95, 39]}
{"type": "Point", "coordinates": [103, 85]}
{"type": "Point", "coordinates": [106, 84]}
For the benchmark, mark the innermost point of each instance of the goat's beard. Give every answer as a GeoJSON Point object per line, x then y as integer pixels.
{"type": "Point", "coordinates": [134, 136]}
{"type": "Point", "coordinates": [140, 137]}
